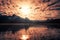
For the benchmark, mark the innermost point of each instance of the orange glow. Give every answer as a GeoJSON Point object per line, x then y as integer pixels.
{"type": "Point", "coordinates": [32, 9]}
{"type": "Point", "coordinates": [24, 37]}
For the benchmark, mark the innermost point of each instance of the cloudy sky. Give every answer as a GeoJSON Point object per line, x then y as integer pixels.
{"type": "Point", "coordinates": [37, 9]}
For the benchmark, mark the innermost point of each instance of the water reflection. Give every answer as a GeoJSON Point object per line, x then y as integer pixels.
{"type": "Point", "coordinates": [35, 32]}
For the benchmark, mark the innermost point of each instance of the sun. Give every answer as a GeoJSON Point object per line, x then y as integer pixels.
{"type": "Point", "coordinates": [25, 9]}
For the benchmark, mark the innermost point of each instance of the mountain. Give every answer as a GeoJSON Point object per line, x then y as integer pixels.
{"type": "Point", "coordinates": [53, 21]}
{"type": "Point", "coordinates": [12, 19]}
{"type": "Point", "coordinates": [17, 19]}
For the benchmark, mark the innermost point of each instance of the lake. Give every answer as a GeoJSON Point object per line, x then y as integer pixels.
{"type": "Point", "coordinates": [30, 32]}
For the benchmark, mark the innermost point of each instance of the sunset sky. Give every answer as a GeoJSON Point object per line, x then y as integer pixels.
{"type": "Point", "coordinates": [31, 9]}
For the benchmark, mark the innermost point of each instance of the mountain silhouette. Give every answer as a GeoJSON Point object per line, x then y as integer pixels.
{"type": "Point", "coordinates": [12, 19]}
{"type": "Point", "coordinates": [17, 19]}
{"type": "Point", "coordinates": [53, 21]}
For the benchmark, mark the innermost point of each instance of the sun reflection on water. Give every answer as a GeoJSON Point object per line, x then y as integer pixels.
{"type": "Point", "coordinates": [32, 33]}
{"type": "Point", "coordinates": [24, 37]}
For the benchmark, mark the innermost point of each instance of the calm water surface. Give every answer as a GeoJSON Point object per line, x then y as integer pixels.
{"type": "Point", "coordinates": [30, 32]}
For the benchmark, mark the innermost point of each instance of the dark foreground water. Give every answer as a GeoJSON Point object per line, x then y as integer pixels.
{"type": "Point", "coordinates": [30, 32]}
